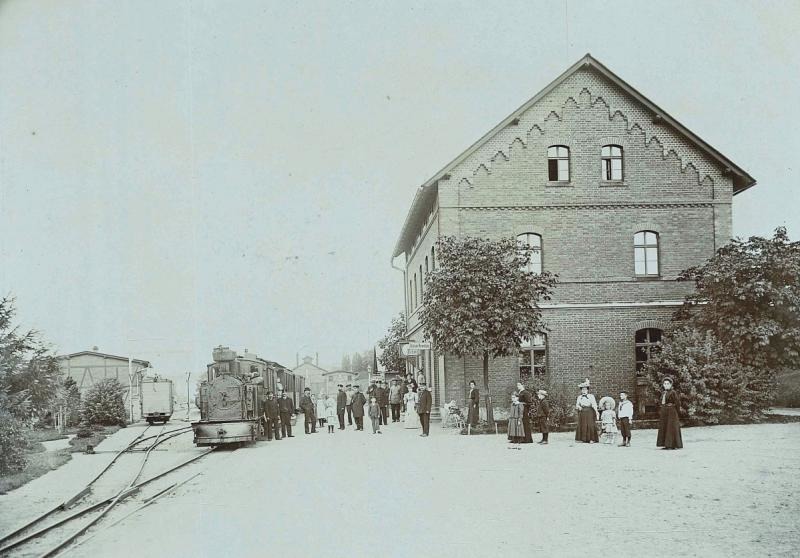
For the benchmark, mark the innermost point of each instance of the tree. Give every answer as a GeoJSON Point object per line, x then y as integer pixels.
{"type": "Point", "coordinates": [346, 364]}
{"type": "Point", "coordinates": [481, 300]}
{"type": "Point", "coordinates": [748, 296]}
{"type": "Point", "coordinates": [69, 397]}
{"type": "Point", "coordinates": [103, 403]}
{"type": "Point", "coordinates": [358, 363]}
{"type": "Point", "coordinates": [715, 386]}
{"type": "Point", "coordinates": [389, 344]}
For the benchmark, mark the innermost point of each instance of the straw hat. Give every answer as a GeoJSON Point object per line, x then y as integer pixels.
{"type": "Point", "coordinates": [605, 400]}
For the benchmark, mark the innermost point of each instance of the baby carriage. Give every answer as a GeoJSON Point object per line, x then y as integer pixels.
{"type": "Point", "coordinates": [453, 416]}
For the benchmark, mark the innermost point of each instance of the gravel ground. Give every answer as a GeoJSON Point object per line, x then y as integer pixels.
{"type": "Point", "coordinates": [732, 490]}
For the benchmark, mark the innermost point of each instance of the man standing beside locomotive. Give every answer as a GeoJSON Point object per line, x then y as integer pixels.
{"type": "Point", "coordinates": [286, 408]}
{"type": "Point", "coordinates": [271, 417]}
{"type": "Point", "coordinates": [349, 392]}
{"type": "Point", "coordinates": [382, 395]}
{"type": "Point", "coordinates": [358, 408]}
{"type": "Point", "coordinates": [341, 405]}
{"type": "Point", "coordinates": [307, 406]}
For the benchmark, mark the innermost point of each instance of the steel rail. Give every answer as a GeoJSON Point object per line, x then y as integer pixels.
{"type": "Point", "coordinates": [92, 507]}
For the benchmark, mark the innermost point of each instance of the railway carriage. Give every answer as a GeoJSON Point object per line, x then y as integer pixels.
{"type": "Point", "coordinates": [232, 397]}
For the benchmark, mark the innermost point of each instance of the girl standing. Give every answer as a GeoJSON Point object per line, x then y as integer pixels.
{"type": "Point", "coordinates": [669, 428]}
{"type": "Point", "coordinates": [515, 431]}
{"type": "Point", "coordinates": [608, 420]}
{"type": "Point", "coordinates": [586, 405]}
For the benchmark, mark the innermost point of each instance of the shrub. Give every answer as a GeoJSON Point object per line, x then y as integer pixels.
{"type": "Point", "coordinates": [103, 403]}
{"type": "Point", "coordinates": [788, 390]}
{"type": "Point", "coordinates": [714, 386]}
{"type": "Point", "coordinates": [12, 443]}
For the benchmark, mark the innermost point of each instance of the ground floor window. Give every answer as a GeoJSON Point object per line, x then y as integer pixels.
{"type": "Point", "coordinates": [533, 357]}
{"type": "Point", "coordinates": [647, 342]}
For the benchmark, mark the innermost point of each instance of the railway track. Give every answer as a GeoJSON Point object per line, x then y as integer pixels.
{"type": "Point", "coordinates": [24, 535]}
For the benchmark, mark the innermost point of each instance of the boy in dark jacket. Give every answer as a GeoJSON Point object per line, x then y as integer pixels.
{"type": "Point", "coordinates": [543, 414]}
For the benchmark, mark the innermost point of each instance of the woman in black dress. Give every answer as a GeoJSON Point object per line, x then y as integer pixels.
{"type": "Point", "coordinates": [669, 428]}
{"type": "Point", "coordinates": [586, 405]}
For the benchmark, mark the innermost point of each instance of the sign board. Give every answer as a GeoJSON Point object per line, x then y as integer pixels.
{"type": "Point", "coordinates": [419, 345]}
{"type": "Point", "coordinates": [406, 351]}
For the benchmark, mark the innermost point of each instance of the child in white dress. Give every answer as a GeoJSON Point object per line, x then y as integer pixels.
{"type": "Point", "coordinates": [608, 420]}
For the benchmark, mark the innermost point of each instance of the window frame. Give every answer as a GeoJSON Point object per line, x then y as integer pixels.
{"type": "Point", "coordinates": [533, 346]}
{"type": "Point", "coordinates": [538, 250]}
{"type": "Point", "coordinates": [558, 157]}
{"type": "Point", "coordinates": [610, 167]}
{"type": "Point", "coordinates": [643, 248]}
{"type": "Point", "coordinates": [648, 345]}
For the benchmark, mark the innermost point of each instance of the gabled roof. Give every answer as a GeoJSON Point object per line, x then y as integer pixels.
{"type": "Point", "coordinates": [339, 372]}
{"type": "Point", "coordinates": [144, 363]}
{"type": "Point", "coordinates": [741, 179]}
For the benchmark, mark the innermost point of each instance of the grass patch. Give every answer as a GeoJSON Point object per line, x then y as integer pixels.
{"type": "Point", "coordinates": [38, 464]}
{"type": "Point", "coordinates": [78, 445]}
{"type": "Point", "coordinates": [45, 435]}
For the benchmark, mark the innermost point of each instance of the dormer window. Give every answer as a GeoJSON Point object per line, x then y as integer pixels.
{"type": "Point", "coordinates": [558, 163]}
{"type": "Point", "coordinates": [611, 157]}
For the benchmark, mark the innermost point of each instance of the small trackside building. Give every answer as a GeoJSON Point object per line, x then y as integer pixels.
{"type": "Point", "coordinates": [618, 197]}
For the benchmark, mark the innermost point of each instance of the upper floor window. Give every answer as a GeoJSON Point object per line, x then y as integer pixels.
{"type": "Point", "coordinates": [558, 163]}
{"type": "Point", "coordinates": [533, 357]}
{"type": "Point", "coordinates": [410, 296]}
{"type": "Point", "coordinates": [426, 265]}
{"type": "Point", "coordinates": [645, 253]}
{"type": "Point", "coordinates": [532, 243]}
{"type": "Point", "coordinates": [421, 281]}
{"type": "Point", "coordinates": [611, 156]}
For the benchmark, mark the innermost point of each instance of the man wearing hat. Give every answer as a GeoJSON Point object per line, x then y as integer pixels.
{"type": "Point", "coordinates": [272, 415]}
{"type": "Point", "coordinates": [525, 398]}
{"type": "Point", "coordinates": [424, 408]}
{"type": "Point", "coordinates": [382, 395]}
{"type": "Point", "coordinates": [341, 405]}
{"type": "Point", "coordinates": [396, 399]}
{"type": "Point", "coordinates": [349, 406]}
{"type": "Point", "coordinates": [543, 415]}
{"type": "Point", "coordinates": [307, 406]}
{"type": "Point", "coordinates": [358, 408]}
{"type": "Point", "coordinates": [286, 407]}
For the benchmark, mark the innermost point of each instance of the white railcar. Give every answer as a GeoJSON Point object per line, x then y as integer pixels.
{"type": "Point", "coordinates": [157, 397]}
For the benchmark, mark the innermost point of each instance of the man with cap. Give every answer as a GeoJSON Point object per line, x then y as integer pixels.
{"type": "Point", "coordinates": [286, 408]}
{"type": "Point", "coordinates": [349, 393]}
{"type": "Point", "coordinates": [543, 414]}
{"type": "Point", "coordinates": [341, 405]}
{"type": "Point", "coordinates": [272, 415]}
{"type": "Point", "coordinates": [424, 408]}
{"type": "Point", "coordinates": [382, 395]}
{"type": "Point", "coordinates": [358, 408]}
{"type": "Point", "coordinates": [307, 406]}
{"type": "Point", "coordinates": [396, 399]}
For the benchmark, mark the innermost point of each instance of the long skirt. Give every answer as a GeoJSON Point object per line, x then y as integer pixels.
{"type": "Point", "coordinates": [473, 414]}
{"type": "Point", "coordinates": [586, 431]}
{"type": "Point", "coordinates": [411, 419]}
{"type": "Point", "coordinates": [669, 429]}
{"type": "Point", "coordinates": [515, 428]}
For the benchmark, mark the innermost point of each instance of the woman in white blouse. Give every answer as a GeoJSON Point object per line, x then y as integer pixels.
{"type": "Point", "coordinates": [586, 405]}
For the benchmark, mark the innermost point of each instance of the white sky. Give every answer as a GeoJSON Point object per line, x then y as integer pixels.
{"type": "Point", "coordinates": [176, 175]}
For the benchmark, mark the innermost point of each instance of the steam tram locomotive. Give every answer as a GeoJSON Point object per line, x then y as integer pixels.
{"type": "Point", "coordinates": [232, 397]}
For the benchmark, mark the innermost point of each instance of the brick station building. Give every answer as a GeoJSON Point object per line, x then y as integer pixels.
{"type": "Point", "coordinates": [618, 197]}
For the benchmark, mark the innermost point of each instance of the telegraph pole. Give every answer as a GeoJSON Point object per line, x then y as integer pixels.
{"type": "Point", "coordinates": [188, 375]}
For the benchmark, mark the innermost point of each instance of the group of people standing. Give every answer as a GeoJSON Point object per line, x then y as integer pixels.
{"type": "Point", "coordinates": [413, 398]}
{"type": "Point", "coordinates": [613, 420]}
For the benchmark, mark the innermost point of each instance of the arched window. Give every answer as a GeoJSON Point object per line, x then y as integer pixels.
{"type": "Point", "coordinates": [645, 253]}
{"type": "Point", "coordinates": [533, 357]}
{"type": "Point", "coordinates": [611, 157]}
{"type": "Point", "coordinates": [410, 296]}
{"type": "Point", "coordinates": [415, 290]}
{"type": "Point", "coordinates": [647, 343]}
{"type": "Point", "coordinates": [532, 243]}
{"type": "Point", "coordinates": [433, 258]}
{"type": "Point", "coordinates": [426, 265]}
{"type": "Point", "coordinates": [421, 281]}
{"type": "Point", "coordinates": [558, 163]}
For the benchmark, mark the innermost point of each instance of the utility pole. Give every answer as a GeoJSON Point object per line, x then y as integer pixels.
{"type": "Point", "coordinates": [130, 389]}
{"type": "Point", "coordinates": [188, 375]}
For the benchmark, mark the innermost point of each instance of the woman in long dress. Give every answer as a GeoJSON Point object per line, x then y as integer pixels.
{"type": "Point", "coordinates": [515, 430]}
{"type": "Point", "coordinates": [412, 418]}
{"type": "Point", "coordinates": [586, 405]}
{"type": "Point", "coordinates": [669, 427]}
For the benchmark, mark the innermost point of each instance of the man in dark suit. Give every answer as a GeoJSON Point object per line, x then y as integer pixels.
{"type": "Point", "coordinates": [286, 409]}
{"type": "Point", "coordinates": [424, 408]}
{"type": "Point", "coordinates": [526, 398]}
{"type": "Point", "coordinates": [382, 395]}
{"type": "Point", "coordinates": [272, 415]}
{"type": "Point", "coordinates": [307, 406]}
{"type": "Point", "coordinates": [358, 408]}
{"type": "Point", "coordinates": [341, 405]}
